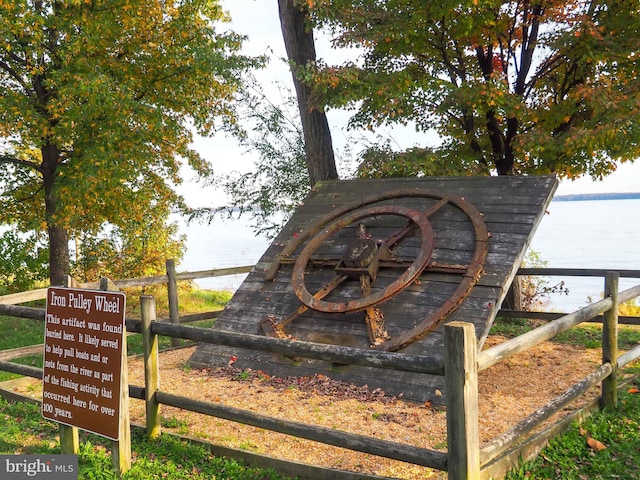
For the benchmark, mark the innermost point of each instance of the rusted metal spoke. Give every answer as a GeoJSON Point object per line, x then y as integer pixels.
{"type": "Point", "coordinates": [272, 327]}
{"type": "Point", "coordinates": [405, 279]}
{"type": "Point", "coordinates": [410, 227]}
{"type": "Point", "coordinates": [373, 316]}
{"type": "Point", "coordinates": [319, 295]}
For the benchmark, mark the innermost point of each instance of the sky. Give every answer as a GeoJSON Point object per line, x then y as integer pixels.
{"type": "Point", "coordinates": [258, 20]}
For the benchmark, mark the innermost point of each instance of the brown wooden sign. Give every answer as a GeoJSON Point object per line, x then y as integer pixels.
{"type": "Point", "coordinates": [84, 332]}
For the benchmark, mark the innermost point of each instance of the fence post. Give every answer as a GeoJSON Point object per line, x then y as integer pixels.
{"type": "Point", "coordinates": [151, 368]}
{"type": "Point", "coordinates": [69, 439]}
{"type": "Point", "coordinates": [172, 292]}
{"type": "Point", "coordinates": [121, 451]}
{"type": "Point", "coordinates": [609, 398]}
{"type": "Point", "coordinates": [69, 436]}
{"type": "Point", "coordinates": [461, 381]}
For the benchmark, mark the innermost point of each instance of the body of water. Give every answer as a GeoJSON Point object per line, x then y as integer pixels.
{"type": "Point", "coordinates": [577, 234]}
{"type": "Point", "coordinates": [222, 243]}
{"type": "Point", "coordinates": [589, 234]}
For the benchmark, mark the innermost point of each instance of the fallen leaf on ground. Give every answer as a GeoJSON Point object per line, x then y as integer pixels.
{"type": "Point", "coordinates": [595, 444]}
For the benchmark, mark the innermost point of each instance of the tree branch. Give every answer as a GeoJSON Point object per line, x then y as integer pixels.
{"type": "Point", "coordinates": [529, 42]}
{"type": "Point", "coordinates": [10, 159]}
{"type": "Point", "coordinates": [16, 76]}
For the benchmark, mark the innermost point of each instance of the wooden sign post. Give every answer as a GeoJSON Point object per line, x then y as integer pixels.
{"type": "Point", "coordinates": [84, 364]}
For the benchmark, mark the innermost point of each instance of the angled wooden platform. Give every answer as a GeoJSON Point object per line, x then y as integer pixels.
{"type": "Point", "coordinates": [481, 228]}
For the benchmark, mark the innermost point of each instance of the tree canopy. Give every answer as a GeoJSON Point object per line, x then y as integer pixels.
{"type": "Point", "coordinates": [514, 87]}
{"type": "Point", "coordinates": [99, 101]}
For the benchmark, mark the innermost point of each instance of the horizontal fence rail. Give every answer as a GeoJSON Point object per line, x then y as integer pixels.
{"type": "Point", "coordinates": [527, 340]}
{"type": "Point", "coordinates": [318, 351]}
{"type": "Point", "coordinates": [500, 453]}
{"type": "Point", "coordinates": [575, 272]}
{"type": "Point", "coordinates": [402, 452]}
{"type": "Point", "coordinates": [379, 359]}
{"type": "Point", "coordinates": [628, 357]}
{"type": "Point", "coordinates": [41, 293]}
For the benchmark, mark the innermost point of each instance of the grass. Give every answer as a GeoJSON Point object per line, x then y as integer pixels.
{"type": "Point", "coordinates": [572, 456]}
{"type": "Point", "coordinates": [20, 332]}
{"type": "Point", "coordinates": [190, 299]}
{"type": "Point", "coordinates": [24, 431]}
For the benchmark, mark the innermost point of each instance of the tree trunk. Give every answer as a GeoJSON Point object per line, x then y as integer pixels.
{"type": "Point", "coordinates": [513, 299]}
{"type": "Point", "coordinates": [58, 236]}
{"type": "Point", "coordinates": [300, 47]}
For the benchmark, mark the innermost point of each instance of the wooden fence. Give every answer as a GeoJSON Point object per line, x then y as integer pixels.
{"type": "Point", "coordinates": [465, 458]}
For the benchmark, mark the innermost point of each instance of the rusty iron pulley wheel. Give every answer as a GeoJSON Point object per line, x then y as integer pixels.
{"type": "Point", "coordinates": [324, 227]}
{"type": "Point", "coordinates": [315, 302]}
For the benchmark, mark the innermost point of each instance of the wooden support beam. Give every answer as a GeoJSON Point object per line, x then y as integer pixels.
{"type": "Point", "coordinates": [151, 366]}
{"type": "Point", "coordinates": [609, 398]}
{"type": "Point", "coordinates": [69, 436]}
{"type": "Point", "coordinates": [121, 452]}
{"type": "Point", "coordinates": [172, 294]}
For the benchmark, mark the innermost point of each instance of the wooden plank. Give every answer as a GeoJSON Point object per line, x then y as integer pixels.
{"type": "Point", "coordinates": [20, 352]}
{"type": "Point", "coordinates": [511, 209]}
{"type": "Point", "coordinates": [373, 358]}
{"type": "Point", "coordinates": [629, 294]}
{"type": "Point", "coordinates": [19, 369]}
{"type": "Point", "coordinates": [628, 357]}
{"type": "Point", "coordinates": [580, 272]}
{"type": "Point", "coordinates": [217, 272]}
{"type": "Point", "coordinates": [22, 312]}
{"type": "Point", "coordinates": [23, 297]}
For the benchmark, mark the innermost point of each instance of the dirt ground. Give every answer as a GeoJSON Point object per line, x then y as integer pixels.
{"type": "Point", "coordinates": [508, 392]}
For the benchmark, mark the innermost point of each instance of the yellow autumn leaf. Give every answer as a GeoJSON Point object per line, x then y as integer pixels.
{"type": "Point", "coordinates": [595, 444]}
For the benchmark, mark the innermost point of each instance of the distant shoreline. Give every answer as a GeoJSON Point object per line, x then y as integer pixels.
{"type": "Point", "coordinates": [597, 196]}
